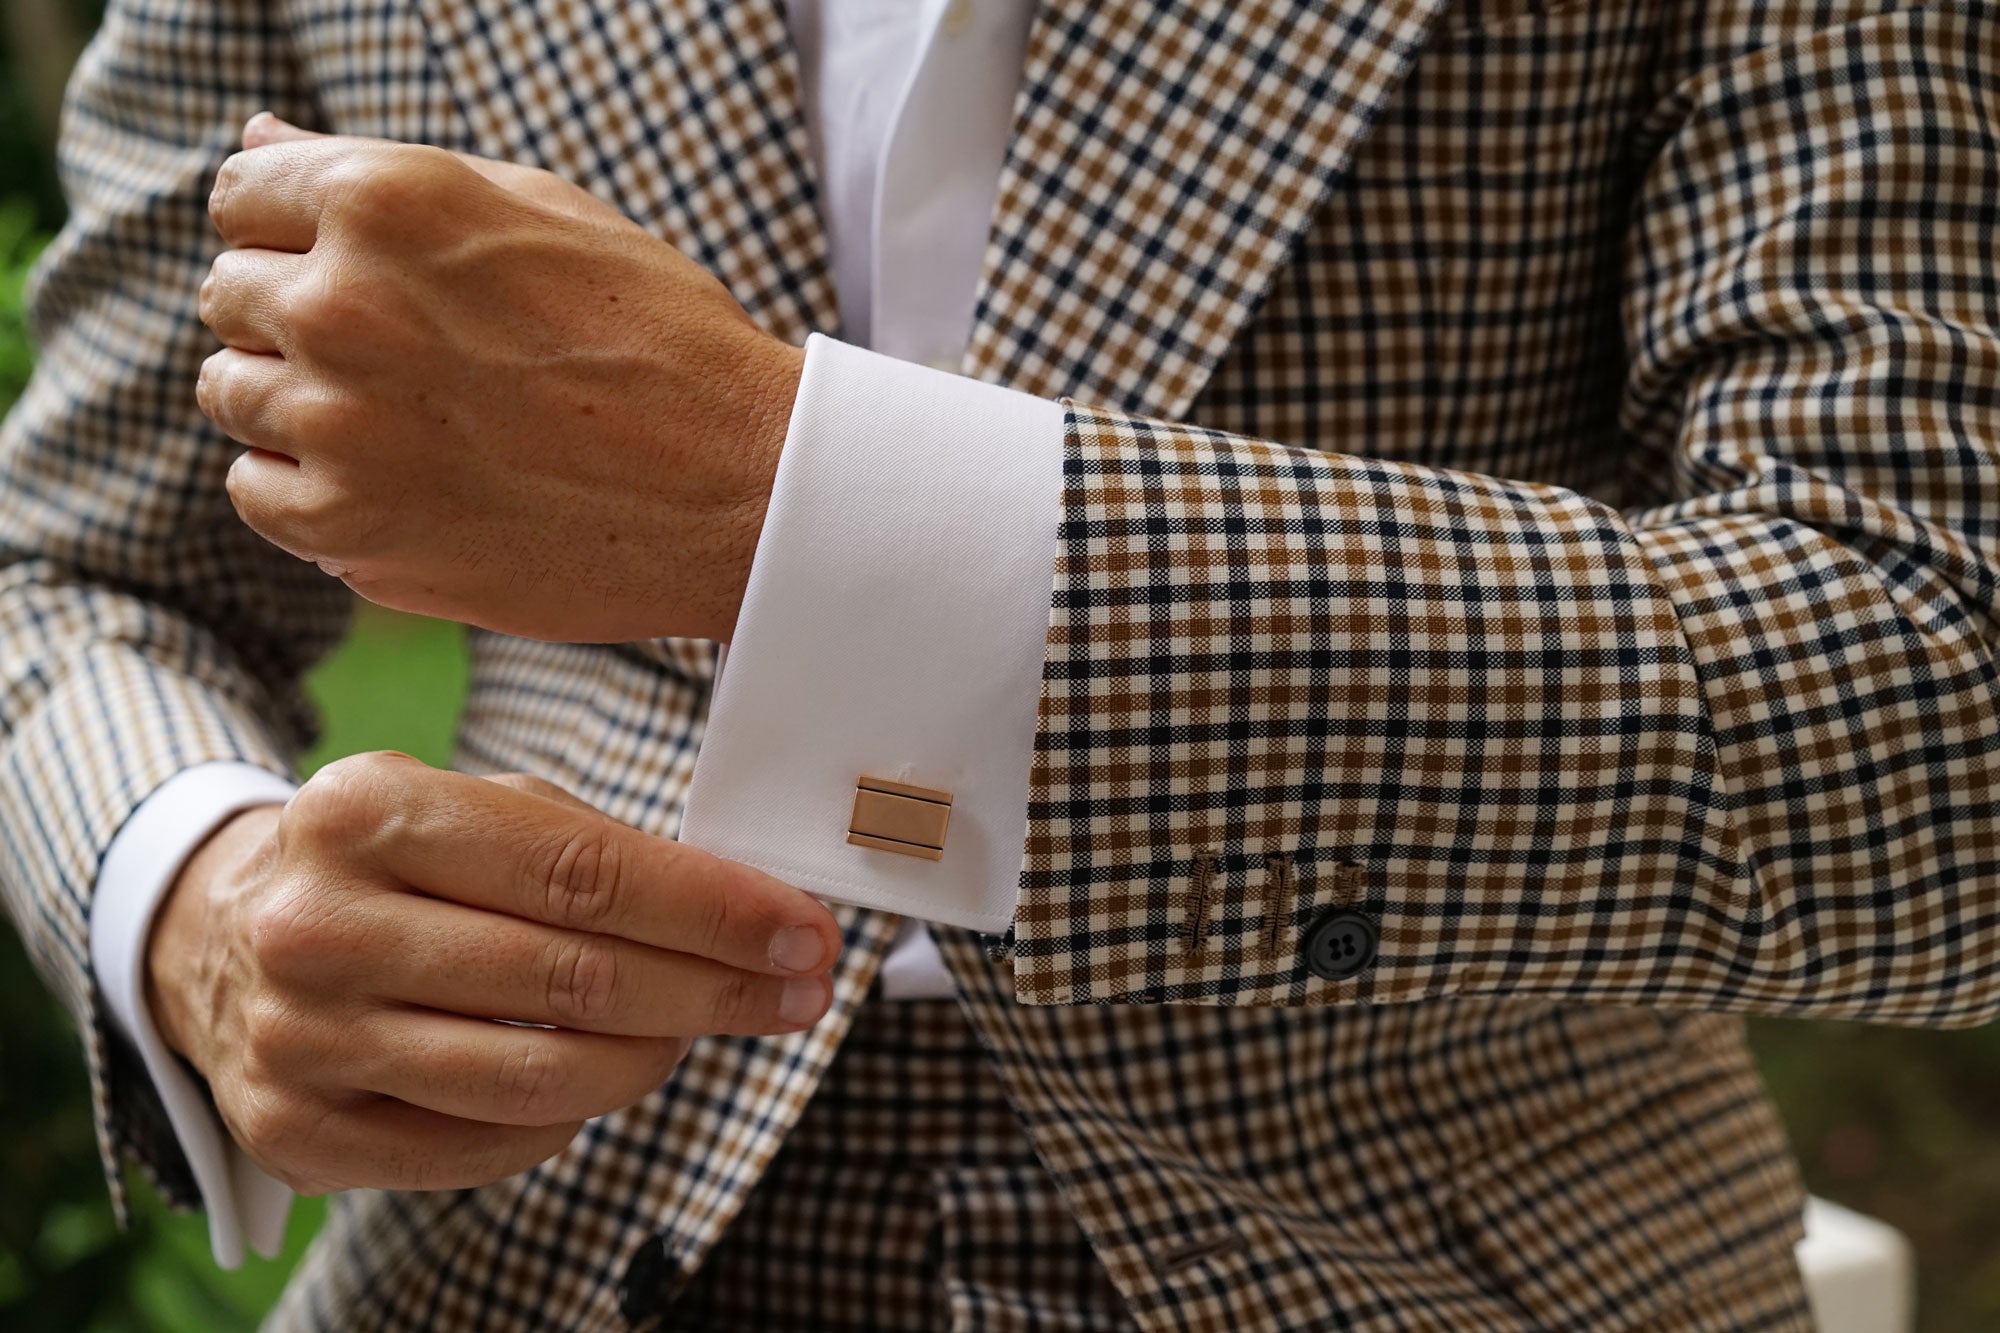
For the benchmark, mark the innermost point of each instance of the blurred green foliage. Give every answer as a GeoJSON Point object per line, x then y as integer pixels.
{"type": "Point", "coordinates": [1903, 1124]}
{"type": "Point", "coordinates": [1900, 1124]}
{"type": "Point", "coordinates": [20, 243]}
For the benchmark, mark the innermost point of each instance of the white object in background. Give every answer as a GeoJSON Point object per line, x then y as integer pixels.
{"type": "Point", "coordinates": [1859, 1273]}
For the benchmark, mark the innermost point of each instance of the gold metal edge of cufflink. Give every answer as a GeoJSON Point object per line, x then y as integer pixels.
{"type": "Point", "coordinates": [899, 817]}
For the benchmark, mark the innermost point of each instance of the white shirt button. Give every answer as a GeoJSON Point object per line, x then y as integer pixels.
{"type": "Point", "coordinates": [957, 17]}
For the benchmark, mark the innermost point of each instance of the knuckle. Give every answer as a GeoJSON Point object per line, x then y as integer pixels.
{"type": "Point", "coordinates": [330, 306]}
{"type": "Point", "coordinates": [227, 178]}
{"type": "Point", "coordinates": [316, 419]}
{"type": "Point", "coordinates": [210, 291]}
{"type": "Point", "coordinates": [225, 273]}
{"type": "Point", "coordinates": [233, 401]}
{"type": "Point", "coordinates": [384, 188]}
{"type": "Point", "coordinates": [291, 935]}
{"type": "Point", "coordinates": [583, 980]}
{"type": "Point", "coordinates": [268, 1125]}
{"type": "Point", "coordinates": [582, 884]}
{"type": "Point", "coordinates": [328, 516]}
{"type": "Point", "coordinates": [208, 383]}
{"type": "Point", "coordinates": [291, 1149]}
{"type": "Point", "coordinates": [352, 798]}
{"type": "Point", "coordinates": [248, 502]}
{"type": "Point", "coordinates": [258, 507]}
{"type": "Point", "coordinates": [335, 802]}
{"type": "Point", "coordinates": [269, 1035]}
{"type": "Point", "coordinates": [363, 191]}
{"type": "Point", "coordinates": [529, 1083]}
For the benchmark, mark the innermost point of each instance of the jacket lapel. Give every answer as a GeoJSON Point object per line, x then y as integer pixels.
{"type": "Point", "coordinates": [1166, 157]}
{"type": "Point", "coordinates": [685, 114]}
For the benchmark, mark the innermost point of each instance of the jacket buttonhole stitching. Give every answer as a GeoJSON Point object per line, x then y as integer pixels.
{"type": "Point", "coordinates": [1280, 895]}
{"type": "Point", "coordinates": [1200, 889]}
{"type": "Point", "coordinates": [1346, 883]}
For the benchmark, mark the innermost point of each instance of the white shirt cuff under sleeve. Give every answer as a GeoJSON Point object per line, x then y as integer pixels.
{"type": "Point", "coordinates": [894, 627]}
{"type": "Point", "coordinates": [140, 865]}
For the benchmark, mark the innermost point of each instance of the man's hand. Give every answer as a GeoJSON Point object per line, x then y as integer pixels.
{"type": "Point", "coordinates": [334, 968]}
{"type": "Point", "coordinates": [474, 391]}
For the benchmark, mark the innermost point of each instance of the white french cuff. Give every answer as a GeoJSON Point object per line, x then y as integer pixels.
{"type": "Point", "coordinates": [893, 628]}
{"type": "Point", "coordinates": [241, 1201]}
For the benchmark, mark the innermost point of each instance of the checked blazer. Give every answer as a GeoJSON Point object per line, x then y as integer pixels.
{"type": "Point", "coordinates": [1532, 479]}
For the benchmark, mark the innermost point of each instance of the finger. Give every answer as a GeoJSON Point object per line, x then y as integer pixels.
{"type": "Point", "coordinates": [248, 395]}
{"type": "Point", "coordinates": [243, 297]}
{"type": "Point", "coordinates": [528, 182]}
{"type": "Point", "coordinates": [444, 956]}
{"type": "Point", "coordinates": [269, 197]}
{"type": "Point", "coordinates": [277, 197]}
{"type": "Point", "coordinates": [265, 128]}
{"type": "Point", "coordinates": [278, 498]}
{"type": "Point", "coordinates": [498, 1074]}
{"type": "Point", "coordinates": [483, 845]}
{"type": "Point", "coordinates": [384, 1143]}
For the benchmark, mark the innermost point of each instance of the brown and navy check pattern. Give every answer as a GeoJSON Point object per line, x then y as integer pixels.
{"type": "Point", "coordinates": [1621, 599]}
{"type": "Point", "coordinates": [1531, 479]}
{"type": "Point", "coordinates": [906, 1199]}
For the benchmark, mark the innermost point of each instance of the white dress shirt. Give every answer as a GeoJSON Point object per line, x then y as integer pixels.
{"type": "Point", "coordinates": [895, 615]}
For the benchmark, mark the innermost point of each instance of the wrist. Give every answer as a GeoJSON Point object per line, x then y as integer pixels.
{"type": "Point", "coordinates": [180, 974]}
{"type": "Point", "coordinates": [766, 386]}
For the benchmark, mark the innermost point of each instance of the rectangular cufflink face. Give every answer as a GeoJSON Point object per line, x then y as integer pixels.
{"type": "Point", "coordinates": [897, 817]}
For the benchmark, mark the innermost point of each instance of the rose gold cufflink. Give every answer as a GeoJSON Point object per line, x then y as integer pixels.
{"type": "Point", "coordinates": [897, 817]}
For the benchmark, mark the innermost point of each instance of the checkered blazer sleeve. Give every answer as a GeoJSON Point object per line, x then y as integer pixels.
{"type": "Point", "coordinates": [143, 627]}
{"type": "Point", "coordinates": [1733, 745]}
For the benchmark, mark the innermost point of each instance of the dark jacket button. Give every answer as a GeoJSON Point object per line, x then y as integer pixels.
{"type": "Point", "coordinates": [1340, 944]}
{"type": "Point", "coordinates": [651, 1280]}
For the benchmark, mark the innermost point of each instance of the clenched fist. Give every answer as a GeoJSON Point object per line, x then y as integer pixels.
{"type": "Point", "coordinates": [336, 969]}
{"type": "Point", "coordinates": [472, 390]}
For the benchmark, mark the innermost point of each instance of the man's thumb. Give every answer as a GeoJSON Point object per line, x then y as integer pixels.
{"type": "Point", "coordinates": [266, 128]}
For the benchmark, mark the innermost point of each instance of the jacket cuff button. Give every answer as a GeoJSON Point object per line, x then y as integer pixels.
{"type": "Point", "coordinates": [1340, 944]}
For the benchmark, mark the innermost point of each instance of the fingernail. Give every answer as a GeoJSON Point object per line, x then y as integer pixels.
{"type": "Point", "coordinates": [797, 949]}
{"type": "Point", "coordinates": [803, 1000]}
